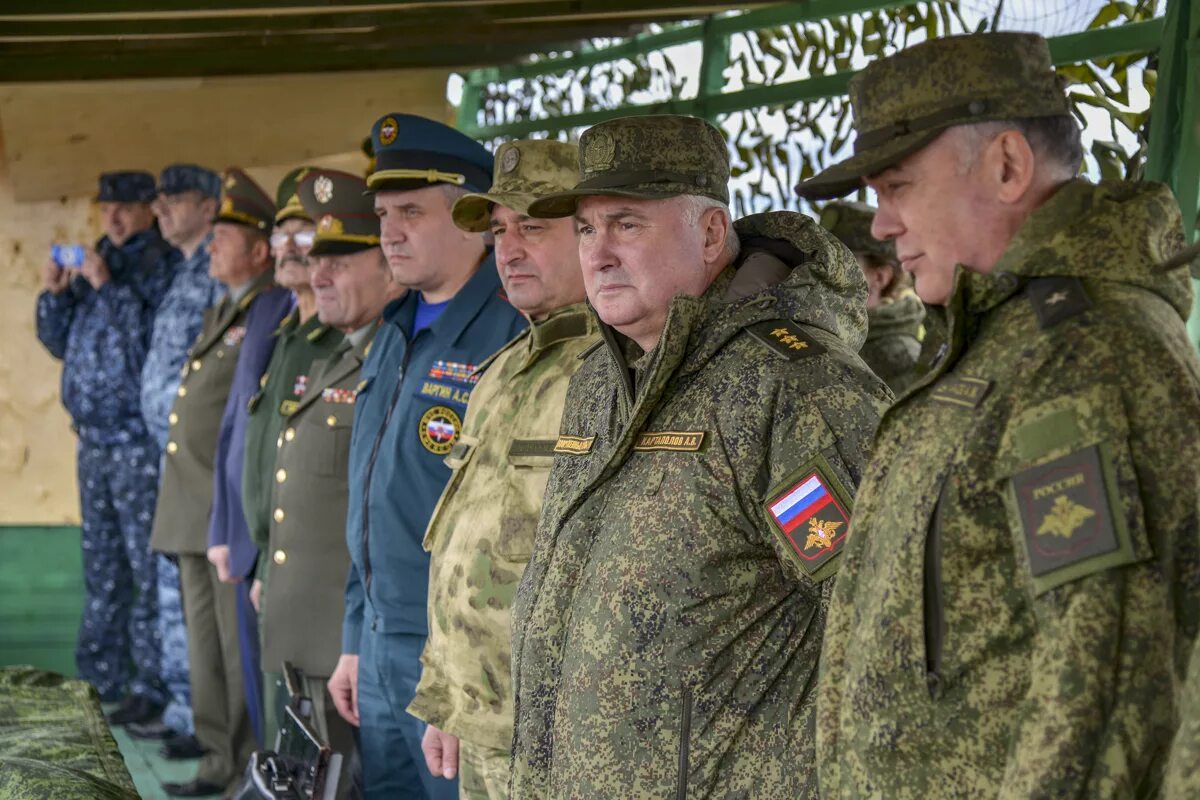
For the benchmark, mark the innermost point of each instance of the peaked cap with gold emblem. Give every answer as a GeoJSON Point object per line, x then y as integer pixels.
{"type": "Point", "coordinates": [343, 210]}
{"type": "Point", "coordinates": [851, 224]}
{"type": "Point", "coordinates": [652, 156]}
{"type": "Point", "coordinates": [525, 170]}
{"type": "Point", "coordinates": [243, 201]}
{"type": "Point", "coordinates": [413, 152]}
{"type": "Point", "coordinates": [287, 199]}
{"type": "Point", "coordinates": [901, 103]}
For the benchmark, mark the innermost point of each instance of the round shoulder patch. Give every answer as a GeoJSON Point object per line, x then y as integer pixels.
{"type": "Point", "coordinates": [439, 430]}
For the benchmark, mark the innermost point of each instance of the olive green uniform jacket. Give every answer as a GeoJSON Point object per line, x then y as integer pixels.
{"type": "Point", "coordinates": [1020, 590]}
{"type": "Point", "coordinates": [1183, 769]}
{"type": "Point", "coordinates": [894, 341]}
{"type": "Point", "coordinates": [481, 534]}
{"type": "Point", "coordinates": [302, 604]}
{"type": "Point", "coordinates": [185, 496]}
{"type": "Point", "coordinates": [666, 631]}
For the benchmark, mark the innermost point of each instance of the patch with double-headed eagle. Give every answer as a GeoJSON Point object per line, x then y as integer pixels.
{"type": "Point", "coordinates": [809, 514]}
{"type": "Point", "coordinates": [1066, 519]}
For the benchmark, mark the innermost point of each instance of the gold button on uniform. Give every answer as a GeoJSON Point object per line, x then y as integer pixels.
{"type": "Point", "coordinates": [331, 420]}
{"type": "Point", "coordinates": [279, 557]}
{"type": "Point", "coordinates": [196, 365]}
{"type": "Point", "coordinates": [279, 515]}
{"type": "Point", "coordinates": [289, 434]}
{"type": "Point", "coordinates": [181, 391]}
{"type": "Point", "coordinates": [281, 476]}
{"type": "Point", "coordinates": [279, 441]}
{"type": "Point", "coordinates": [173, 419]}
{"type": "Point", "coordinates": [172, 447]}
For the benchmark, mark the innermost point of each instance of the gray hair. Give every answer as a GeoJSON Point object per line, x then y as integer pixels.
{"type": "Point", "coordinates": [453, 192]}
{"type": "Point", "coordinates": [694, 206]}
{"type": "Point", "coordinates": [1056, 141]}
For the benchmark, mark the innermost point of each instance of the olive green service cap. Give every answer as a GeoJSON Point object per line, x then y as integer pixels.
{"type": "Point", "coordinates": [243, 201]}
{"type": "Point", "coordinates": [901, 103]}
{"type": "Point", "coordinates": [648, 157]}
{"type": "Point", "coordinates": [851, 224]}
{"type": "Point", "coordinates": [287, 200]}
{"type": "Point", "coordinates": [524, 171]}
{"type": "Point", "coordinates": [345, 214]}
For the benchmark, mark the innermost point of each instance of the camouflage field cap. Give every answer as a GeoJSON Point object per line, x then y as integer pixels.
{"type": "Point", "coordinates": [851, 224]}
{"type": "Point", "coordinates": [343, 210]}
{"type": "Point", "coordinates": [287, 200]}
{"type": "Point", "coordinates": [243, 201]}
{"type": "Point", "coordinates": [901, 103]}
{"type": "Point", "coordinates": [651, 157]}
{"type": "Point", "coordinates": [524, 171]}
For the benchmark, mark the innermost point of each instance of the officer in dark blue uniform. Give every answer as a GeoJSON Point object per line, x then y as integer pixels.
{"type": "Point", "coordinates": [97, 319]}
{"type": "Point", "coordinates": [413, 394]}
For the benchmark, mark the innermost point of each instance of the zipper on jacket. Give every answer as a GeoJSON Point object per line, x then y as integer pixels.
{"type": "Point", "coordinates": [387, 419]}
{"type": "Point", "coordinates": [935, 621]}
{"type": "Point", "coordinates": [685, 735]}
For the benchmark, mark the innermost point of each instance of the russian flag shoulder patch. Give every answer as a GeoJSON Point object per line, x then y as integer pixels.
{"type": "Point", "coordinates": [809, 514]}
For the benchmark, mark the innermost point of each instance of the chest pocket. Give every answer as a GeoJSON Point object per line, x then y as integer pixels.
{"type": "Point", "coordinates": [530, 461]}
{"type": "Point", "coordinates": [457, 459]}
{"type": "Point", "coordinates": [333, 421]}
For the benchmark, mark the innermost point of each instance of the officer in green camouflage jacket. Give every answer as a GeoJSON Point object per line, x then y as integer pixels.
{"type": "Point", "coordinates": [1020, 591]}
{"type": "Point", "coordinates": [667, 629]}
{"type": "Point", "coordinates": [1183, 768]}
{"type": "Point", "coordinates": [894, 312]}
{"type": "Point", "coordinates": [481, 534]}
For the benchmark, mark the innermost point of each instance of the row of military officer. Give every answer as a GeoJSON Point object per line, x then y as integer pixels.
{"type": "Point", "coordinates": [733, 566]}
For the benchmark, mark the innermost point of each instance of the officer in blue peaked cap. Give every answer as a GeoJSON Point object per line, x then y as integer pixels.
{"type": "Point", "coordinates": [415, 385]}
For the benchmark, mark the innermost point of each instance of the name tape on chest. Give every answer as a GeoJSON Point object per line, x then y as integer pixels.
{"type": "Point", "coordinates": [810, 515]}
{"type": "Point", "coordinates": [957, 390]}
{"type": "Point", "coordinates": [786, 338]}
{"type": "Point", "coordinates": [444, 392]}
{"type": "Point", "coordinates": [673, 441]}
{"type": "Point", "coordinates": [574, 445]}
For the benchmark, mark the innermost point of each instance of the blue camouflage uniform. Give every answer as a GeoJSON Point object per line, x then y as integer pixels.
{"type": "Point", "coordinates": [102, 337]}
{"type": "Point", "coordinates": [176, 325]}
{"type": "Point", "coordinates": [412, 398]}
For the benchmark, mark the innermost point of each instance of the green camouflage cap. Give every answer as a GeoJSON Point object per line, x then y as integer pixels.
{"type": "Point", "coordinates": [287, 201]}
{"type": "Point", "coordinates": [651, 157]}
{"type": "Point", "coordinates": [851, 224]}
{"type": "Point", "coordinates": [524, 171]}
{"type": "Point", "coordinates": [343, 211]}
{"type": "Point", "coordinates": [901, 103]}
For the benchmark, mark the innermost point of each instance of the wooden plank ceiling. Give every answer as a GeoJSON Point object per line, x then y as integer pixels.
{"type": "Point", "coordinates": [61, 40]}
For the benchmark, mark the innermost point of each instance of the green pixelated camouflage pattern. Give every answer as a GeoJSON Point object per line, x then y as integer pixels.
{"type": "Point", "coordinates": [1183, 768]}
{"type": "Point", "coordinates": [900, 103]}
{"type": "Point", "coordinates": [665, 643]}
{"type": "Point", "coordinates": [1027, 689]}
{"type": "Point", "coordinates": [480, 536]}
{"type": "Point", "coordinates": [893, 345]}
{"type": "Point", "coordinates": [524, 171]}
{"type": "Point", "coordinates": [648, 156]}
{"type": "Point", "coordinates": [54, 742]}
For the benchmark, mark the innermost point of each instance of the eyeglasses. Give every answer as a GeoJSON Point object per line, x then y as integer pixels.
{"type": "Point", "coordinates": [302, 239]}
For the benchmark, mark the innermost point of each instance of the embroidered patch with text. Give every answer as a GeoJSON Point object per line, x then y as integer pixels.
{"type": "Point", "coordinates": [574, 445]}
{"type": "Point", "coordinates": [677, 441]}
{"type": "Point", "coordinates": [957, 390]}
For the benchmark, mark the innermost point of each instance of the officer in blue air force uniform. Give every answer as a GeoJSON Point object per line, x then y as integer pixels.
{"type": "Point", "coordinates": [413, 394]}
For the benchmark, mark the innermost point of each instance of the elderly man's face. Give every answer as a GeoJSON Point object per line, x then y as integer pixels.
{"type": "Point", "coordinates": [122, 221]}
{"type": "Point", "coordinates": [231, 252]}
{"type": "Point", "coordinates": [538, 261]}
{"type": "Point", "coordinates": [290, 243]}
{"type": "Point", "coordinates": [352, 289]}
{"type": "Point", "coordinates": [929, 206]}
{"type": "Point", "coordinates": [637, 255]}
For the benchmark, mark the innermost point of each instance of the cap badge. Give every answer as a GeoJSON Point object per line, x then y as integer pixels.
{"type": "Point", "coordinates": [323, 189]}
{"type": "Point", "coordinates": [230, 181]}
{"type": "Point", "coordinates": [388, 130]}
{"type": "Point", "coordinates": [599, 152]}
{"type": "Point", "coordinates": [510, 159]}
{"type": "Point", "coordinates": [227, 205]}
{"type": "Point", "coordinates": [329, 225]}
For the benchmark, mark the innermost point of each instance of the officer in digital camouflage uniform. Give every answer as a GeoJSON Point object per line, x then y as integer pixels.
{"type": "Point", "coordinates": [485, 521]}
{"type": "Point", "coordinates": [187, 201]}
{"type": "Point", "coordinates": [1183, 768]}
{"type": "Point", "coordinates": [181, 519]}
{"type": "Point", "coordinates": [1021, 588]}
{"type": "Point", "coordinates": [97, 319]}
{"type": "Point", "coordinates": [300, 340]}
{"type": "Point", "coordinates": [894, 312]}
{"type": "Point", "coordinates": [667, 629]}
{"type": "Point", "coordinates": [303, 601]}
{"type": "Point", "coordinates": [416, 383]}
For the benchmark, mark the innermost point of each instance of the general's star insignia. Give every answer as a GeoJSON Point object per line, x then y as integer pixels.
{"type": "Point", "coordinates": [1056, 298]}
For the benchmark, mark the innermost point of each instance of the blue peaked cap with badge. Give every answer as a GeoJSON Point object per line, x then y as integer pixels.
{"type": "Point", "coordinates": [129, 186]}
{"type": "Point", "coordinates": [412, 152]}
{"type": "Point", "coordinates": [180, 178]}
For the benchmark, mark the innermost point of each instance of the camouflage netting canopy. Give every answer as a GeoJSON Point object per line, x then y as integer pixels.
{"type": "Point", "coordinates": [54, 741]}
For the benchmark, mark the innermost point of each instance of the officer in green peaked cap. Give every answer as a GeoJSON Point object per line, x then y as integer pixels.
{"type": "Point", "coordinates": [1022, 580]}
